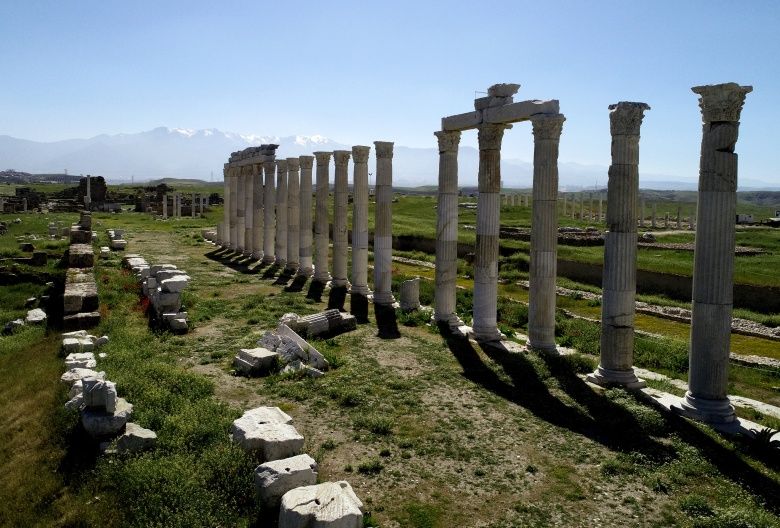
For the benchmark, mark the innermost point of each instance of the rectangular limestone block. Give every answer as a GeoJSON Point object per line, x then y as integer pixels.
{"type": "Point", "coordinates": [274, 479]}
{"type": "Point", "coordinates": [81, 256]}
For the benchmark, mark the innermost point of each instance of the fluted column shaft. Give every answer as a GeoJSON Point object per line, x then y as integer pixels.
{"type": "Point", "coordinates": [305, 266]}
{"type": "Point", "coordinates": [383, 224]}
{"type": "Point", "coordinates": [620, 246]}
{"type": "Point", "coordinates": [321, 221]}
{"type": "Point", "coordinates": [165, 207]}
{"type": "Point", "coordinates": [713, 260]}
{"type": "Point", "coordinates": [249, 197]}
{"type": "Point", "coordinates": [544, 232]}
{"type": "Point", "coordinates": [281, 212]}
{"type": "Point", "coordinates": [447, 229]}
{"type": "Point", "coordinates": [192, 209]}
{"type": "Point", "coordinates": [269, 211]}
{"type": "Point", "coordinates": [340, 201]}
{"type": "Point", "coordinates": [488, 224]}
{"type": "Point", "coordinates": [225, 242]}
{"type": "Point", "coordinates": [360, 220]}
{"type": "Point", "coordinates": [293, 214]}
{"type": "Point", "coordinates": [257, 210]}
{"type": "Point", "coordinates": [233, 208]}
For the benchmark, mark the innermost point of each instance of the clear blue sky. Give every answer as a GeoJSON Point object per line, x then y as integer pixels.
{"type": "Point", "coordinates": [362, 70]}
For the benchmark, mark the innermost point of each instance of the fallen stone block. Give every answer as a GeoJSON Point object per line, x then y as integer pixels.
{"type": "Point", "coordinates": [118, 244]}
{"type": "Point", "coordinates": [274, 479]}
{"type": "Point", "coordinates": [84, 360]}
{"type": "Point", "coordinates": [156, 268]}
{"type": "Point", "coordinates": [100, 341]}
{"type": "Point", "coordinates": [270, 341]}
{"type": "Point", "coordinates": [308, 354]}
{"type": "Point", "coordinates": [81, 320]}
{"type": "Point", "coordinates": [81, 256]}
{"type": "Point", "coordinates": [330, 504]}
{"type": "Point", "coordinates": [105, 252]}
{"type": "Point", "coordinates": [299, 366]}
{"type": "Point", "coordinates": [76, 388]}
{"type": "Point", "coordinates": [252, 361]}
{"type": "Point", "coordinates": [99, 423]}
{"type": "Point", "coordinates": [75, 403]}
{"type": "Point", "coordinates": [35, 316]}
{"type": "Point", "coordinates": [174, 284]}
{"type": "Point", "coordinates": [178, 324]}
{"type": "Point", "coordinates": [76, 374]}
{"type": "Point", "coordinates": [135, 439]}
{"type": "Point", "coordinates": [77, 333]}
{"type": "Point", "coordinates": [99, 394]}
{"type": "Point", "coordinates": [271, 440]}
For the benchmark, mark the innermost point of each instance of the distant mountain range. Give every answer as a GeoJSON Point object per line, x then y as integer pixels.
{"type": "Point", "coordinates": [199, 154]}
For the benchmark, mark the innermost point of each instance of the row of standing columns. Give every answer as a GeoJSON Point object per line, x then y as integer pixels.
{"type": "Point", "coordinates": [270, 218]}
{"type": "Point", "coordinates": [198, 204]}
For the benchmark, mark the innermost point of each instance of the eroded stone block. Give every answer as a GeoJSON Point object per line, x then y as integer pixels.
{"type": "Point", "coordinates": [274, 479]}
{"type": "Point", "coordinates": [330, 504]}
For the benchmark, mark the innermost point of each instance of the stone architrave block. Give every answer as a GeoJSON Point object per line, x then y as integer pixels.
{"type": "Point", "coordinates": [76, 374]}
{"type": "Point", "coordinates": [84, 360]}
{"type": "Point", "coordinates": [254, 360]}
{"type": "Point", "coordinates": [274, 479]}
{"type": "Point", "coordinates": [308, 353]}
{"type": "Point", "coordinates": [99, 394]}
{"type": "Point", "coordinates": [330, 504]}
{"type": "Point", "coordinates": [100, 423]}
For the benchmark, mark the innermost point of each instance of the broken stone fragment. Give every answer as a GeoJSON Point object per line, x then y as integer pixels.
{"type": "Point", "coordinates": [75, 403]}
{"type": "Point", "coordinates": [84, 360]}
{"type": "Point", "coordinates": [174, 284]}
{"type": "Point", "coordinates": [254, 360]}
{"type": "Point", "coordinates": [270, 341]}
{"type": "Point", "coordinates": [36, 316]}
{"type": "Point", "coordinates": [76, 374]}
{"type": "Point", "coordinates": [100, 423]}
{"type": "Point", "coordinates": [274, 479]}
{"type": "Point", "coordinates": [330, 504]}
{"type": "Point", "coordinates": [267, 430]}
{"type": "Point", "coordinates": [99, 394]}
{"type": "Point", "coordinates": [298, 366]}
{"type": "Point", "coordinates": [135, 439]}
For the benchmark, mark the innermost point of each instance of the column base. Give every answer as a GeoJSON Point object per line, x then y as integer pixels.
{"type": "Point", "coordinates": [269, 259]}
{"type": "Point", "coordinates": [383, 298]}
{"type": "Point", "coordinates": [487, 335]}
{"type": "Point", "coordinates": [358, 306]}
{"type": "Point", "coordinates": [247, 253]}
{"type": "Point", "coordinates": [281, 262]}
{"type": "Point", "coordinates": [305, 272]}
{"type": "Point", "coordinates": [291, 267]}
{"type": "Point", "coordinates": [705, 409]}
{"type": "Point", "coordinates": [609, 378]}
{"type": "Point", "coordinates": [258, 255]}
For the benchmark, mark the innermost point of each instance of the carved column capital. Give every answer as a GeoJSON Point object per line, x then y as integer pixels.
{"type": "Point", "coordinates": [625, 118]}
{"type": "Point", "coordinates": [448, 141]}
{"type": "Point", "coordinates": [341, 157]}
{"type": "Point", "coordinates": [281, 165]}
{"type": "Point", "coordinates": [547, 126]}
{"type": "Point", "coordinates": [384, 149]}
{"type": "Point", "coordinates": [306, 161]}
{"type": "Point", "coordinates": [323, 158]}
{"type": "Point", "coordinates": [721, 102]}
{"type": "Point", "coordinates": [293, 164]}
{"type": "Point", "coordinates": [489, 136]}
{"type": "Point", "coordinates": [360, 153]}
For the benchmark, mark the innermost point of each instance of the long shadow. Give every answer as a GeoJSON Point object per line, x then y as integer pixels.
{"type": "Point", "coordinates": [297, 284]}
{"type": "Point", "coordinates": [358, 306]}
{"type": "Point", "coordinates": [315, 290]}
{"type": "Point", "coordinates": [284, 277]}
{"type": "Point", "coordinates": [234, 261]}
{"type": "Point", "coordinates": [605, 422]}
{"type": "Point", "coordinates": [386, 322]}
{"type": "Point", "coordinates": [270, 273]}
{"type": "Point", "coordinates": [336, 297]}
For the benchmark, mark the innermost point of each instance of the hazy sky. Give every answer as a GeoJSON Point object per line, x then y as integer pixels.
{"type": "Point", "coordinates": [362, 71]}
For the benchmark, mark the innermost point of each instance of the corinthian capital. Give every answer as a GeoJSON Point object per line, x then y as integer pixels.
{"type": "Point", "coordinates": [341, 157]}
{"type": "Point", "coordinates": [360, 153]}
{"type": "Point", "coordinates": [306, 161]}
{"type": "Point", "coordinates": [625, 118]}
{"type": "Point", "coordinates": [490, 135]}
{"type": "Point", "coordinates": [269, 166]}
{"type": "Point", "coordinates": [384, 149]}
{"type": "Point", "coordinates": [323, 158]}
{"type": "Point", "coordinates": [448, 141]}
{"type": "Point", "coordinates": [281, 165]}
{"type": "Point", "coordinates": [721, 102]}
{"type": "Point", "coordinates": [293, 164]}
{"type": "Point", "coordinates": [547, 126]}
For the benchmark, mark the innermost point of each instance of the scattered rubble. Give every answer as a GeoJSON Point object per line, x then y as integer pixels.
{"type": "Point", "coordinates": [163, 284]}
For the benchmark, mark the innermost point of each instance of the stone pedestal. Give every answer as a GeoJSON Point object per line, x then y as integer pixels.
{"type": "Point", "coordinates": [293, 214]}
{"type": "Point", "coordinates": [257, 211]}
{"type": "Point", "coordinates": [340, 203]}
{"type": "Point", "coordinates": [305, 265]}
{"type": "Point", "coordinates": [359, 292]}
{"type": "Point", "coordinates": [269, 211]}
{"type": "Point", "coordinates": [281, 213]}
{"type": "Point", "coordinates": [447, 230]}
{"type": "Point", "coordinates": [488, 219]}
{"type": "Point", "coordinates": [713, 261]}
{"type": "Point", "coordinates": [383, 224]}
{"type": "Point", "coordinates": [321, 222]}
{"type": "Point", "coordinates": [620, 246]}
{"type": "Point", "coordinates": [544, 232]}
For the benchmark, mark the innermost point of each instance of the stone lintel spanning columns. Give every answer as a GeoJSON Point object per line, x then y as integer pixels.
{"type": "Point", "coordinates": [293, 214]}
{"type": "Point", "coordinates": [305, 266]}
{"type": "Point", "coordinates": [509, 113]}
{"type": "Point", "coordinates": [359, 291]}
{"type": "Point", "coordinates": [488, 222]}
{"type": "Point", "coordinates": [257, 210]}
{"type": "Point", "coordinates": [620, 246]}
{"type": "Point", "coordinates": [447, 230]}
{"type": "Point", "coordinates": [249, 200]}
{"type": "Point", "coordinates": [383, 224]}
{"type": "Point", "coordinates": [281, 212]}
{"type": "Point", "coordinates": [713, 260]}
{"type": "Point", "coordinates": [269, 212]}
{"type": "Point", "coordinates": [233, 208]}
{"type": "Point", "coordinates": [544, 233]}
{"type": "Point", "coordinates": [340, 202]}
{"type": "Point", "coordinates": [321, 222]}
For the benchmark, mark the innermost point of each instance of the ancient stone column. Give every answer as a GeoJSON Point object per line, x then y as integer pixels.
{"type": "Point", "coordinates": [642, 214]}
{"type": "Point", "coordinates": [488, 218]}
{"type": "Point", "coordinates": [269, 211]}
{"type": "Point", "coordinates": [192, 210]}
{"type": "Point", "coordinates": [359, 291]}
{"type": "Point", "coordinates": [340, 201]}
{"type": "Point", "coordinates": [321, 222]}
{"type": "Point", "coordinates": [653, 216]}
{"type": "Point", "coordinates": [293, 214]}
{"type": "Point", "coordinates": [582, 207]}
{"type": "Point", "coordinates": [233, 208]}
{"type": "Point", "coordinates": [679, 218]}
{"type": "Point", "coordinates": [165, 206]}
{"type": "Point", "coordinates": [620, 246]}
{"type": "Point", "coordinates": [201, 204]}
{"type": "Point", "coordinates": [88, 195]}
{"type": "Point", "coordinates": [383, 224]}
{"type": "Point", "coordinates": [240, 208]}
{"type": "Point", "coordinates": [24, 205]}
{"type": "Point", "coordinates": [225, 207]}
{"type": "Point", "coordinates": [257, 210]}
{"type": "Point", "coordinates": [248, 182]}
{"type": "Point", "coordinates": [305, 267]}
{"type": "Point", "coordinates": [447, 230]}
{"type": "Point", "coordinates": [713, 260]}
{"type": "Point", "coordinates": [281, 213]}
{"type": "Point", "coordinates": [544, 232]}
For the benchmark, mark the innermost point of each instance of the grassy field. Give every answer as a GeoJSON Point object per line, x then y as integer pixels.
{"type": "Point", "coordinates": [430, 433]}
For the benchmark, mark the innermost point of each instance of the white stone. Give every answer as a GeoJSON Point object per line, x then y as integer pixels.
{"type": "Point", "coordinates": [272, 440]}
{"type": "Point", "coordinates": [174, 284]}
{"type": "Point", "coordinates": [35, 316]}
{"type": "Point", "coordinates": [308, 353]}
{"type": "Point", "coordinates": [75, 403]}
{"type": "Point", "coordinates": [118, 244]}
{"type": "Point", "coordinates": [270, 341]}
{"type": "Point", "coordinates": [252, 360]}
{"type": "Point", "coordinates": [274, 479]}
{"type": "Point", "coordinates": [99, 423]}
{"type": "Point", "coordinates": [135, 439]}
{"type": "Point", "coordinates": [102, 340]}
{"type": "Point", "coordinates": [330, 504]}
{"type": "Point", "coordinates": [84, 360]}
{"type": "Point", "coordinates": [99, 394]}
{"type": "Point", "coordinates": [75, 374]}
{"type": "Point", "coordinates": [75, 334]}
